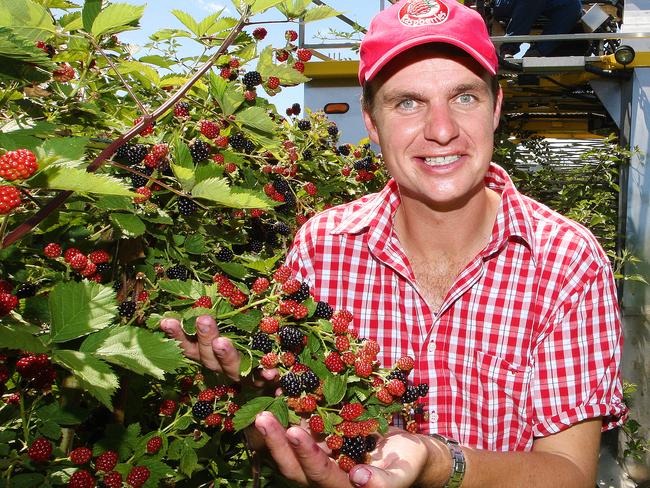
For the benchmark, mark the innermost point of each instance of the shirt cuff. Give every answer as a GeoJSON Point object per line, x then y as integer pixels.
{"type": "Point", "coordinates": [613, 414]}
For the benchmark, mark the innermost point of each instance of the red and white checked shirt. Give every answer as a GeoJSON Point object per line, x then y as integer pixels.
{"type": "Point", "coordinates": [528, 340]}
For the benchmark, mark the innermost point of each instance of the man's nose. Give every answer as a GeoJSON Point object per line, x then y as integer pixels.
{"type": "Point", "coordinates": [441, 124]}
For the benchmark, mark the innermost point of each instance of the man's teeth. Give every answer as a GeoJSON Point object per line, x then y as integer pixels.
{"type": "Point", "coordinates": [441, 160]}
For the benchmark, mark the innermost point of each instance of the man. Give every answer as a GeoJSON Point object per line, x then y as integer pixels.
{"type": "Point", "coordinates": [508, 308]}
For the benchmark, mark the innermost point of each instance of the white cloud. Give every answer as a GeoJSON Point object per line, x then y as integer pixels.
{"type": "Point", "coordinates": [211, 6]}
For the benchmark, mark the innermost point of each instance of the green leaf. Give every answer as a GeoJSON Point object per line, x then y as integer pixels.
{"type": "Point", "coordinates": [15, 337]}
{"type": "Point", "coordinates": [185, 176]}
{"type": "Point", "coordinates": [195, 244]}
{"type": "Point", "coordinates": [319, 12]}
{"type": "Point", "coordinates": [334, 388]}
{"type": "Point", "coordinates": [190, 288]}
{"type": "Point", "coordinates": [245, 362]}
{"type": "Point", "coordinates": [19, 48]}
{"type": "Point", "coordinates": [27, 18]}
{"type": "Point", "coordinates": [27, 480]}
{"type": "Point", "coordinates": [50, 429]}
{"type": "Point", "coordinates": [234, 269]}
{"type": "Point", "coordinates": [63, 148]}
{"type": "Point", "coordinates": [206, 24]}
{"type": "Point", "coordinates": [95, 375]}
{"type": "Point", "coordinates": [78, 180]}
{"type": "Point", "coordinates": [247, 321]}
{"type": "Point", "coordinates": [111, 202]}
{"type": "Point", "coordinates": [257, 118]}
{"type": "Point", "coordinates": [117, 17]}
{"type": "Point", "coordinates": [262, 5]}
{"type": "Point", "coordinates": [128, 224]}
{"type": "Point", "coordinates": [159, 61]}
{"type": "Point", "coordinates": [246, 414]}
{"type": "Point", "coordinates": [90, 12]}
{"type": "Point", "coordinates": [293, 9]}
{"type": "Point", "coordinates": [182, 155]}
{"type": "Point", "coordinates": [79, 308]}
{"type": "Point", "coordinates": [143, 73]}
{"type": "Point", "coordinates": [217, 190]}
{"type": "Point", "coordinates": [219, 25]}
{"type": "Point", "coordinates": [141, 351]}
{"type": "Point", "coordinates": [188, 21]}
{"type": "Point", "coordinates": [189, 460]}
{"type": "Point", "coordinates": [226, 94]}
{"type": "Point", "coordinates": [280, 409]}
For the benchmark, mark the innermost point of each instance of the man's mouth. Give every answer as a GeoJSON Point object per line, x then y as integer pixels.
{"type": "Point", "coordinates": [441, 160]}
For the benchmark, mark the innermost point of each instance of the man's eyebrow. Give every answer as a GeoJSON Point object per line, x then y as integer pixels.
{"type": "Point", "coordinates": [470, 87]}
{"type": "Point", "coordinates": [399, 95]}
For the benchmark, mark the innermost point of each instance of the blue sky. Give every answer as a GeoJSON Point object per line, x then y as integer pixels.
{"type": "Point", "coordinates": [158, 15]}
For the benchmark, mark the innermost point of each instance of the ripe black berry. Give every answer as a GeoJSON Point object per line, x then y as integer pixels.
{"type": "Point", "coordinates": [262, 342]}
{"type": "Point", "coordinates": [249, 147]}
{"type": "Point", "coordinates": [323, 311]}
{"type": "Point", "coordinates": [186, 206]}
{"type": "Point", "coordinates": [309, 381]}
{"type": "Point", "coordinates": [307, 155]}
{"type": "Point", "coordinates": [399, 374]}
{"type": "Point", "coordinates": [423, 389]}
{"type": "Point", "coordinates": [200, 151]}
{"type": "Point", "coordinates": [410, 395]}
{"type": "Point", "coordinates": [301, 294]}
{"type": "Point", "coordinates": [288, 205]}
{"type": "Point", "coordinates": [291, 384]}
{"type": "Point", "coordinates": [126, 309]}
{"type": "Point", "coordinates": [282, 186]}
{"type": "Point", "coordinates": [202, 409]}
{"type": "Point", "coordinates": [255, 246]}
{"type": "Point", "coordinates": [355, 447]}
{"type": "Point", "coordinates": [295, 108]}
{"type": "Point", "coordinates": [291, 338]}
{"type": "Point", "coordinates": [238, 142]}
{"type": "Point", "coordinates": [103, 267]}
{"type": "Point", "coordinates": [363, 164]}
{"type": "Point", "coordinates": [225, 255]}
{"type": "Point", "coordinates": [281, 228]}
{"type": "Point", "coordinates": [122, 152]}
{"type": "Point", "coordinates": [136, 180]}
{"type": "Point", "coordinates": [371, 443]}
{"type": "Point", "coordinates": [252, 79]}
{"type": "Point", "coordinates": [344, 149]}
{"type": "Point", "coordinates": [333, 130]}
{"type": "Point", "coordinates": [178, 272]}
{"type": "Point", "coordinates": [304, 124]}
{"type": "Point", "coordinates": [136, 154]}
{"type": "Point", "coordinates": [26, 290]}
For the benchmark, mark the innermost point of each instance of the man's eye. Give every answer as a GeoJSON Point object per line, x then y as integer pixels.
{"type": "Point", "coordinates": [407, 104]}
{"type": "Point", "coordinates": [466, 98]}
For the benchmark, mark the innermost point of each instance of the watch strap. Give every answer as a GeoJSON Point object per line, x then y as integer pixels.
{"type": "Point", "coordinates": [457, 461]}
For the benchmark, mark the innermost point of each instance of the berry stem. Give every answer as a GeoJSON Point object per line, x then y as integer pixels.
{"type": "Point", "coordinates": [246, 307]}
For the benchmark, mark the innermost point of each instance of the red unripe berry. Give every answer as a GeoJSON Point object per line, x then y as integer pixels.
{"type": "Point", "coordinates": [18, 164]}
{"type": "Point", "coordinates": [113, 479]}
{"type": "Point", "coordinates": [81, 479]}
{"type": "Point", "coordinates": [168, 408]}
{"type": "Point", "coordinates": [204, 302]}
{"type": "Point", "coordinates": [221, 141]}
{"type": "Point", "coordinates": [78, 262]}
{"type": "Point", "coordinates": [260, 285]}
{"type": "Point", "coordinates": [384, 396]}
{"type": "Point", "coordinates": [346, 463]}
{"type": "Point", "coordinates": [147, 129]}
{"type": "Point", "coordinates": [291, 35]}
{"type": "Point", "coordinates": [9, 198]}
{"type": "Point", "coordinates": [351, 411]}
{"type": "Point", "coordinates": [7, 303]}
{"type": "Point", "coordinates": [269, 325]}
{"type": "Point", "coordinates": [225, 73]}
{"type": "Point", "coordinates": [154, 444]}
{"type": "Point", "coordinates": [63, 73]}
{"type": "Point", "coordinates": [219, 158]}
{"type": "Point", "coordinates": [209, 129]}
{"type": "Point", "coordinates": [334, 442]}
{"type": "Point", "coordinates": [405, 363]}
{"type": "Point", "coordinates": [40, 450]}
{"type": "Point", "coordinates": [145, 192]}
{"type": "Point", "coordinates": [52, 250]}
{"type": "Point", "coordinates": [299, 66]}
{"type": "Point", "coordinates": [303, 54]}
{"type": "Point", "coordinates": [273, 82]}
{"type": "Point", "coordinates": [282, 55]}
{"type": "Point", "coordinates": [99, 256]}
{"type": "Point", "coordinates": [138, 476]}
{"type": "Point", "coordinates": [316, 424]}
{"type": "Point", "coordinates": [106, 461]}
{"type": "Point", "coordinates": [259, 33]}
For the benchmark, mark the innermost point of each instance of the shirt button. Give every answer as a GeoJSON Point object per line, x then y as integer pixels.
{"type": "Point", "coordinates": [433, 417]}
{"type": "Point", "coordinates": [432, 347]}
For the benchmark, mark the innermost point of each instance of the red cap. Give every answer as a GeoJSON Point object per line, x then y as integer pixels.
{"type": "Point", "coordinates": [409, 23]}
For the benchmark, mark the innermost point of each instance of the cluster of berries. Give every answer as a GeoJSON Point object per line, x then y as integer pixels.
{"type": "Point", "coordinates": [93, 265]}
{"type": "Point", "coordinates": [216, 406]}
{"type": "Point", "coordinates": [37, 370]}
{"type": "Point", "coordinates": [15, 165]}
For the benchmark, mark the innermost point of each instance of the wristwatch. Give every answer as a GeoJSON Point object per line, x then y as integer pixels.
{"type": "Point", "coordinates": [457, 461]}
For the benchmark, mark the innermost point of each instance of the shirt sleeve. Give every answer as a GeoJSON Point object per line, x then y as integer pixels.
{"type": "Point", "coordinates": [577, 365]}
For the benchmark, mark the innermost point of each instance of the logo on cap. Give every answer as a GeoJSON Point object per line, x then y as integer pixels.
{"type": "Point", "coordinates": [416, 13]}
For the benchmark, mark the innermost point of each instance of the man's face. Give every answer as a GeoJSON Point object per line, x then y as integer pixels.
{"type": "Point", "coordinates": [434, 117]}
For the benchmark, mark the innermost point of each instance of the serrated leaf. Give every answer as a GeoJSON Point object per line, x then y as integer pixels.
{"type": "Point", "coordinates": [264, 266]}
{"type": "Point", "coordinates": [182, 155]}
{"type": "Point", "coordinates": [262, 5]}
{"type": "Point", "coordinates": [185, 176]}
{"type": "Point", "coordinates": [27, 18]}
{"type": "Point", "coordinates": [129, 225]}
{"type": "Point", "coordinates": [50, 429]}
{"type": "Point", "coordinates": [19, 48]}
{"type": "Point", "coordinates": [235, 270]}
{"type": "Point", "coordinates": [90, 12]}
{"type": "Point", "coordinates": [63, 148]}
{"type": "Point", "coordinates": [189, 460]}
{"type": "Point", "coordinates": [95, 375]}
{"type": "Point", "coordinates": [188, 21]}
{"type": "Point", "coordinates": [334, 389]}
{"type": "Point", "coordinates": [27, 480]}
{"type": "Point", "coordinates": [144, 73]}
{"type": "Point", "coordinates": [217, 190]}
{"type": "Point", "coordinates": [247, 321]}
{"type": "Point", "coordinates": [78, 180]}
{"type": "Point", "coordinates": [280, 409]}
{"type": "Point", "coordinates": [14, 337]}
{"type": "Point", "coordinates": [257, 118]}
{"type": "Point", "coordinates": [207, 23]}
{"type": "Point", "coordinates": [293, 9]}
{"type": "Point", "coordinates": [117, 17]}
{"type": "Point", "coordinates": [189, 288]}
{"type": "Point", "coordinates": [246, 414]}
{"type": "Point", "coordinates": [80, 308]}
{"type": "Point", "coordinates": [220, 25]}
{"type": "Point", "coordinates": [319, 12]}
{"type": "Point", "coordinates": [111, 202]}
{"type": "Point", "coordinates": [245, 362]}
{"type": "Point", "coordinates": [141, 351]}
{"type": "Point", "coordinates": [156, 60]}
{"type": "Point", "coordinates": [226, 94]}
{"type": "Point", "coordinates": [195, 244]}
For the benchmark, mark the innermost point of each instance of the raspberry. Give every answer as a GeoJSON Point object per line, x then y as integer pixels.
{"type": "Point", "coordinates": [209, 129]}
{"type": "Point", "coordinates": [178, 272]}
{"type": "Point", "coordinates": [259, 33]}
{"type": "Point", "coordinates": [269, 360]}
{"type": "Point", "coordinates": [290, 286]}
{"type": "Point", "coordinates": [323, 311]}
{"type": "Point", "coordinates": [291, 384]}
{"type": "Point", "coordinates": [303, 54]}
{"type": "Point", "coordinates": [346, 463]}
{"type": "Point", "coordinates": [19, 164]}
{"type": "Point", "coordinates": [78, 262]}
{"type": "Point", "coordinates": [126, 309]}
{"type": "Point", "coordinates": [262, 342]}
{"type": "Point", "coordinates": [99, 257]}
{"type": "Point", "coordinates": [81, 479]}
{"type": "Point", "coordinates": [202, 409]}
{"type": "Point", "coordinates": [213, 420]}
{"type": "Point", "coordinates": [52, 250]}
{"type": "Point", "coordinates": [200, 151]}
{"type": "Point", "coordinates": [9, 198]}
{"type": "Point", "coordinates": [154, 444]}
{"type": "Point", "coordinates": [334, 442]}
{"type": "Point", "coordinates": [40, 450]}
{"type": "Point", "coordinates": [351, 411]}
{"type": "Point", "coordinates": [204, 302]}
{"type": "Point", "coordinates": [252, 79]}
{"type": "Point", "coordinates": [145, 192]}
{"type": "Point", "coordinates": [288, 359]}
{"type": "Point", "coordinates": [371, 348]}
{"type": "Point", "coordinates": [291, 338]}
{"type": "Point", "coordinates": [282, 55]}
{"type": "Point", "coordinates": [7, 303]}
{"type": "Point", "coordinates": [113, 480]}
{"type": "Point", "coordinates": [260, 285]}
{"type": "Point", "coordinates": [291, 35]}
{"type": "Point", "coordinates": [405, 363]}
{"type": "Point", "coordinates": [362, 368]}
{"type": "Point", "coordinates": [316, 424]}
{"type": "Point", "coordinates": [81, 455]}
{"type": "Point", "coordinates": [308, 404]}
{"type": "Point", "coordinates": [182, 110]}
{"type": "Point", "coordinates": [396, 387]}
{"type": "Point", "coordinates": [355, 447]}
{"type": "Point", "coordinates": [273, 82]}
{"type": "Point", "coordinates": [138, 476]}
{"type": "Point", "coordinates": [63, 73]}
{"type": "Point", "coordinates": [342, 343]}
{"type": "Point", "coordinates": [299, 66]}
{"type": "Point", "coordinates": [168, 408]}
{"type": "Point", "coordinates": [106, 461]}
{"type": "Point", "coordinates": [334, 363]}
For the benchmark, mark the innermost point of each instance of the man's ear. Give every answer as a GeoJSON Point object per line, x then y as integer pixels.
{"type": "Point", "coordinates": [498, 103]}
{"type": "Point", "coordinates": [371, 127]}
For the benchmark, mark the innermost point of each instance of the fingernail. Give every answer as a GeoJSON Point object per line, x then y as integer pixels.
{"type": "Point", "coordinates": [262, 431]}
{"type": "Point", "coordinates": [294, 441]}
{"type": "Point", "coordinates": [202, 326]}
{"type": "Point", "coordinates": [360, 476]}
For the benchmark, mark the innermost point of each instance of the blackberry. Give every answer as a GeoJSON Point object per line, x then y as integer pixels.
{"type": "Point", "coordinates": [363, 164]}
{"type": "Point", "coordinates": [281, 228]}
{"type": "Point", "coordinates": [302, 294]}
{"type": "Point", "coordinates": [309, 381]}
{"type": "Point", "coordinates": [282, 186]}
{"type": "Point", "coordinates": [423, 389]}
{"type": "Point", "coordinates": [304, 124]}
{"type": "Point", "coordinates": [126, 309]}
{"type": "Point", "coordinates": [136, 180]}
{"type": "Point", "coordinates": [288, 205]}
{"type": "Point", "coordinates": [103, 267]}
{"type": "Point", "coordinates": [255, 246]}
{"type": "Point", "coordinates": [238, 142]}
{"type": "Point", "coordinates": [333, 130]}
{"type": "Point", "coordinates": [295, 108]}
{"type": "Point", "coordinates": [271, 240]}
{"type": "Point", "coordinates": [178, 272]}
{"type": "Point", "coordinates": [344, 149]}
{"type": "Point", "coordinates": [200, 151]}
{"type": "Point", "coordinates": [249, 146]}
{"type": "Point", "coordinates": [202, 409]}
{"type": "Point", "coordinates": [371, 443]}
{"type": "Point", "coordinates": [186, 206]}
{"type": "Point", "coordinates": [252, 79]}
{"type": "Point", "coordinates": [262, 342]}
{"type": "Point", "coordinates": [291, 384]}
{"type": "Point", "coordinates": [410, 395]}
{"type": "Point", "coordinates": [323, 311]}
{"type": "Point", "coordinates": [122, 152]}
{"type": "Point", "coordinates": [26, 290]}
{"type": "Point", "coordinates": [291, 338]}
{"type": "Point", "coordinates": [399, 374]}
{"type": "Point", "coordinates": [355, 447]}
{"type": "Point", "coordinates": [136, 154]}
{"type": "Point", "coordinates": [307, 155]}
{"type": "Point", "coordinates": [225, 255]}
